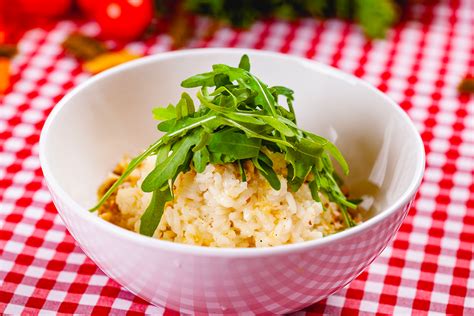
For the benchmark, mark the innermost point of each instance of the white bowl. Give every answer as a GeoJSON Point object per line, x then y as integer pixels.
{"type": "Point", "coordinates": [109, 115]}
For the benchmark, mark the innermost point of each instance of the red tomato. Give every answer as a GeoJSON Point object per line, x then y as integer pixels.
{"type": "Point", "coordinates": [123, 19]}
{"type": "Point", "coordinates": [45, 8]}
{"type": "Point", "coordinates": [87, 6]}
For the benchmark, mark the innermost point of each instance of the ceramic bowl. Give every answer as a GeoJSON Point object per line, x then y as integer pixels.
{"type": "Point", "coordinates": [94, 125]}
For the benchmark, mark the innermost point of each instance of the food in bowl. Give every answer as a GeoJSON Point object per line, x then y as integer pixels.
{"type": "Point", "coordinates": [86, 130]}
{"type": "Point", "coordinates": [236, 172]}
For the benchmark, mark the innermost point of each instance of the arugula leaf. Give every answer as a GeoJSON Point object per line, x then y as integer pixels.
{"type": "Point", "coordinates": [232, 72]}
{"type": "Point", "coordinates": [297, 174]}
{"type": "Point", "coordinates": [244, 63]}
{"type": "Point", "coordinates": [201, 159]}
{"type": "Point", "coordinates": [221, 80]}
{"type": "Point", "coordinates": [279, 126]}
{"type": "Point", "coordinates": [189, 103]}
{"type": "Point", "coordinates": [185, 106]}
{"type": "Point", "coordinates": [151, 218]}
{"type": "Point", "coordinates": [355, 201]}
{"type": "Point", "coordinates": [245, 118]}
{"type": "Point", "coordinates": [347, 218]}
{"type": "Point", "coordinates": [181, 109]}
{"type": "Point", "coordinates": [205, 137]}
{"type": "Point", "coordinates": [284, 91]}
{"type": "Point", "coordinates": [264, 97]}
{"type": "Point", "coordinates": [235, 145]}
{"type": "Point", "coordinates": [167, 169]}
{"type": "Point", "coordinates": [204, 79]}
{"type": "Point", "coordinates": [251, 132]}
{"type": "Point", "coordinates": [332, 149]}
{"type": "Point", "coordinates": [162, 153]}
{"type": "Point", "coordinates": [288, 94]}
{"type": "Point", "coordinates": [167, 113]}
{"type": "Point", "coordinates": [242, 171]}
{"type": "Point", "coordinates": [309, 149]}
{"type": "Point", "coordinates": [266, 170]}
{"type": "Point", "coordinates": [314, 188]}
{"type": "Point", "coordinates": [186, 124]}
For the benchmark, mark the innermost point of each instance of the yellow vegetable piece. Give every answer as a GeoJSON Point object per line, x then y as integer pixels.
{"type": "Point", "coordinates": [108, 60]}
{"type": "Point", "coordinates": [4, 74]}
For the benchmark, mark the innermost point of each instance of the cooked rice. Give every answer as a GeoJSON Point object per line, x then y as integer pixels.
{"type": "Point", "coordinates": [216, 208]}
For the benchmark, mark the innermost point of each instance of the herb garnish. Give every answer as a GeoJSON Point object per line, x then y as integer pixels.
{"type": "Point", "coordinates": [239, 120]}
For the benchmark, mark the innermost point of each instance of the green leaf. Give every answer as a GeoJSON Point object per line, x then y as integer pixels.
{"type": "Point", "coordinates": [234, 144]}
{"type": "Point", "coordinates": [334, 151]}
{"type": "Point", "coordinates": [279, 126]}
{"type": "Point", "coordinates": [288, 94]}
{"type": "Point", "coordinates": [179, 109]}
{"type": "Point", "coordinates": [233, 73]}
{"type": "Point", "coordinates": [182, 126]}
{"type": "Point", "coordinates": [347, 218]}
{"type": "Point", "coordinates": [309, 150]}
{"type": "Point", "coordinates": [204, 79]}
{"type": "Point", "coordinates": [297, 174]}
{"type": "Point", "coordinates": [244, 118]}
{"type": "Point", "coordinates": [189, 103]}
{"type": "Point", "coordinates": [217, 158]}
{"type": "Point", "coordinates": [151, 218]}
{"type": "Point", "coordinates": [163, 152]}
{"type": "Point", "coordinates": [244, 63]}
{"type": "Point", "coordinates": [185, 106]}
{"type": "Point", "coordinates": [214, 107]}
{"type": "Point", "coordinates": [201, 159]}
{"type": "Point", "coordinates": [221, 80]}
{"type": "Point", "coordinates": [166, 170]}
{"type": "Point", "coordinates": [267, 171]}
{"type": "Point", "coordinates": [314, 188]}
{"type": "Point", "coordinates": [264, 159]}
{"type": "Point", "coordinates": [168, 125]}
{"type": "Point", "coordinates": [162, 114]}
{"type": "Point", "coordinates": [264, 97]}
{"type": "Point", "coordinates": [355, 201]}
{"type": "Point", "coordinates": [286, 114]}
{"type": "Point", "coordinates": [242, 171]}
{"type": "Point", "coordinates": [204, 140]}
{"type": "Point", "coordinates": [321, 141]}
{"type": "Point", "coordinates": [184, 167]}
{"type": "Point", "coordinates": [251, 132]}
{"type": "Point", "coordinates": [284, 91]}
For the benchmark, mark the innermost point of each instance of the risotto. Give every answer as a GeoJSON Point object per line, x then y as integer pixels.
{"type": "Point", "coordinates": [216, 208]}
{"type": "Point", "coordinates": [236, 171]}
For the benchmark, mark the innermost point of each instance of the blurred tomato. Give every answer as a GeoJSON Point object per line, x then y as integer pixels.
{"type": "Point", "coordinates": [45, 8]}
{"type": "Point", "coordinates": [123, 19]}
{"type": "Point", "coordinates": [87, 6]}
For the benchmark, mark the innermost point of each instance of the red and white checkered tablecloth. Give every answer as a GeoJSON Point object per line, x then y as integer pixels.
{"type": "Point", "coordinates": [429, 266]}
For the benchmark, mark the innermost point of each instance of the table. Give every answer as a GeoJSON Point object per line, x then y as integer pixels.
{"type": "Point", "coordinates": [428, 267]}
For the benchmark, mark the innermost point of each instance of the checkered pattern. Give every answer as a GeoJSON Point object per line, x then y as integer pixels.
{"type": "Point", "coordinates": [428, 267]}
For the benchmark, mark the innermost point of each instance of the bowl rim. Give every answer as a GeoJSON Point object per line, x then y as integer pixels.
{"type": "Point", "coordinates": [54, 186]}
